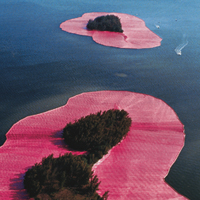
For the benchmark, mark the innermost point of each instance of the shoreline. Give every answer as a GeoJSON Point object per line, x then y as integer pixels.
{"type": "Point", "coordinates": [38, 136]}
{"type": "Point", "coordinates": [135, 36]}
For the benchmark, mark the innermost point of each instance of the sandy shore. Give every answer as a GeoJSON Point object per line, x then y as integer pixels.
{"type": "Point", "coordinates": [135, 36]}
{"type": "Point", "coordinates": [134, 169]}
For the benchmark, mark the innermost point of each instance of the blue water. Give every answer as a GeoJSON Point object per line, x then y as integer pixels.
{"type": "Point", "coordinates": [42, 66]}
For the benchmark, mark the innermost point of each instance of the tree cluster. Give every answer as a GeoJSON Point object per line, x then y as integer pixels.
{"type": "Point", "coordinates": [105, 23]}
{"type": "Point", "coordinates": [70, 177]}
{"type": "Point", "coordinates": [97, 133]}
{"type": "Point", "coordinates": [65, 177]}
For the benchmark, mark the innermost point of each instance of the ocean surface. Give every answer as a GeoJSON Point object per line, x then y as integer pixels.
{"type": "Point", "coordinates": [42, 66]}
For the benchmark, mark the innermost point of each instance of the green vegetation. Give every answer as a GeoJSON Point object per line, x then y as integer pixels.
{"type": "Point", "coordinates": [105, 23]}
{"type": "Point", "coordinates": [69, 176]}
{"type": "Point", "coordinates": [65, 177]}
{"type": "Point", "coordinates": [100, 129]}
{"type": "Point", "coordinates": [97, 133]}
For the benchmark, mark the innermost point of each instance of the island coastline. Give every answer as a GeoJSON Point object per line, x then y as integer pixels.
{"type": "Point", "coordinates": [154, 124]}
{"type": "Point", "coordinates": [135, 33]}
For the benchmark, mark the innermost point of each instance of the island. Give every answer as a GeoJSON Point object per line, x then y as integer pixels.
{"type": "Point", "coordinates": [136, 167]}
{"type": "Point", "coordinates": [135, 34]}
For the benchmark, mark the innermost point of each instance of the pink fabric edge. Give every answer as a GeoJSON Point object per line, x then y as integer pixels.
{"type": "Point", "coordinates": [135, 36]}
{"type": "Point", "coordinates": [155, 125]}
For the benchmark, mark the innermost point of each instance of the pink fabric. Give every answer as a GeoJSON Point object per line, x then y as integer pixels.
{"type": "Point", "coordinates": [135, 36]}
{"type": "Point", "coordinates": [134, 169]}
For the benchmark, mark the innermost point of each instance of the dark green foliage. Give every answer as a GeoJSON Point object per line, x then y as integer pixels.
{"type": "Point", "coordinates": [105, 23]}
{"type": "Point", "coordinates": [67, 175]}
{"type": "Point", "coordinates": [97, 133]}
{"type": "Point", "coordinates": [70, 177]}
{"type": "Point", "coordinates": [67, 194]}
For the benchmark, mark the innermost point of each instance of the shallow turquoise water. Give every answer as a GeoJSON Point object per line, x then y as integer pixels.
{"type": "Point", "coordinates": [42, 66]}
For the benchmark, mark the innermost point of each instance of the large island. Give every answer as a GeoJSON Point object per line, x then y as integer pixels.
{"type": "Point", "coordinates": [133, 169]}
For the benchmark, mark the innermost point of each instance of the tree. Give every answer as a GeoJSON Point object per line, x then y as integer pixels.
{"type": "Point", "coordinates": [105, 23]}
{"type": "Point", "coordinates": [72, 175]}
{"type": "Point", "coordinates": [97, 133]}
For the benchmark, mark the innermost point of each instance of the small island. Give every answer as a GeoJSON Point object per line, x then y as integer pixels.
{"type": "Point", "coordinates": [106, 29]}
{"type": "Point", "coordinates": [105, 23]}
{"type": "Point", "coordinates": [71, 176]}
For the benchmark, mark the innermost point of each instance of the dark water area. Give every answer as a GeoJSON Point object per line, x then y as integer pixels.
{"type": "Point", "coordinates": [42, 66]}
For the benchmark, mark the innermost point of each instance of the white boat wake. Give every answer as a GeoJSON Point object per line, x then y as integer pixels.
{"type": "Point", "coordinates": [181, 46]}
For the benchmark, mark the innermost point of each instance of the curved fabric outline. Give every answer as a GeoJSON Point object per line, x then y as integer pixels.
{"type": "Point", "coordinates": [135, 36]}
{"type": "Point", "coordinates": [133, 169]}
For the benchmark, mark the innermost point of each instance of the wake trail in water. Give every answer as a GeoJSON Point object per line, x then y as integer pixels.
{"type": "Point", "coordinates": [179, 48]}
